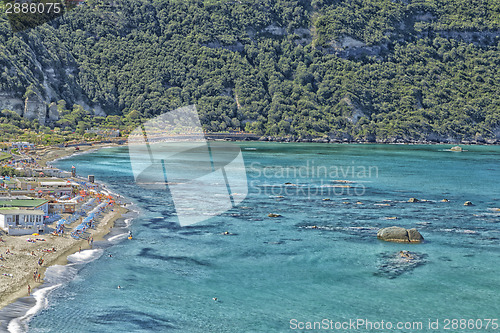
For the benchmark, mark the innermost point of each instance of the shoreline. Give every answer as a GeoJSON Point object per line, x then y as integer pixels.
{"type": "Point", "coordinates": [48, 155]}
{"type": "Point", "coordinates": [249, 137]}
{"type": "Point", "coordinates": [66, 244]}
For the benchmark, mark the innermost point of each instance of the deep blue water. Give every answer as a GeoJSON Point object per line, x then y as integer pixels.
{"type": "Point", "coordinates": [273, 270]}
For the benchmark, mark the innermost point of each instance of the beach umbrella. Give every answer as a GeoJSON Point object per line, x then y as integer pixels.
{"type": "Point", "coordinates": [40, 191]}
{"type": "Point", "coordinates": [35, 234]}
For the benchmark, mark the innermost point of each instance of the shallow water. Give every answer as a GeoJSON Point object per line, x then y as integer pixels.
{"type": "Point", "coordinates": [272, 270]}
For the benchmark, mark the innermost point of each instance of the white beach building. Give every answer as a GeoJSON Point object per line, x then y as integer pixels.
{"type": "Point", "coordinates": [21, 221]}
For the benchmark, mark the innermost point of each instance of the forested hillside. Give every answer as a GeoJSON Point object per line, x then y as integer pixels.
{"type": "Point", "coordinates": [356, 69]}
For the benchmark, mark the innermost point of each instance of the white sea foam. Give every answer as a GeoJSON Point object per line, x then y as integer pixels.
{"type": "Point", "coordinates": [117, 237]}
{"type": "Point", "coordinates": [84, 257]}
{"type": "Point", "coordinates": [20, 324]}
{"type": "Point", "coordinates": [55, 276]}
{"type": "Point", "coordinates": [127, 222]}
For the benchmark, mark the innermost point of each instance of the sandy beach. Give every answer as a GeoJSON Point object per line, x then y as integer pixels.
{"type": "Point", "coordinates": [49, 154]}
{"type": "Point", "coordinates": [21, 258]}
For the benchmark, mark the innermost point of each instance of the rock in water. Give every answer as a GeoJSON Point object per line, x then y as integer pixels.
{"type": "Point", "coordinates": [273, 215]}
{"type": "Point", "coordinates": [468, 203]}
{"type": "Point", "coordinates": [413, 200]}
{"type": "Point", "coordinates": [394, 264]}
{"type": "Point", "coordinates": [414, 236]}
{"type": "Point", "coordinates": [400, 235]}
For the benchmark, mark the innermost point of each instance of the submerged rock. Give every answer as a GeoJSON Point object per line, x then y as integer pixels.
{"type": "Point", "coordinates": [393, 265]}
{"type": "Point", "coordinates": [400, 235]}
{"type": "Point", "coordinates": [456, 148]}
{"type": "Point", "coordinates": [273, 215]}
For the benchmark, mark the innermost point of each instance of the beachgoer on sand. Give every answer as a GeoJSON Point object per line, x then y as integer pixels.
{"type": "Point", "coordinates": [29, 290]}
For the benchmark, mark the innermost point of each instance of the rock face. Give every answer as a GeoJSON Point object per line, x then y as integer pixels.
{"type": "Point", "coordinates": [53, 112]}
{"type": "Point", "coordinates": [35, 108]}
{"type": "Point", "coordinates": [10, 103]}
{"type": "Point", "coordinates": [400, 235]}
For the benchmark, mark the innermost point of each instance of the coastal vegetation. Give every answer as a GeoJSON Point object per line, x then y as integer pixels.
{"type": "Point", "coordinates": [360, 69]}
{"type": "Point", "coordinates": [8, 171]}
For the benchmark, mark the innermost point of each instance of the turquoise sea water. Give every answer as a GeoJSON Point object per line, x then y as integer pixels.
{"type": "Point", "coordinates": [274, 270]}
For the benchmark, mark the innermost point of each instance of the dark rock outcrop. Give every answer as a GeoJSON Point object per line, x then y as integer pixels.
{"type": "Point", "coordinates": [393, 265]}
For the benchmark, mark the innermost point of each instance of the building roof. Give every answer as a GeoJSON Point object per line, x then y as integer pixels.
{"type": "Point", "coordinates": [59, 183]}
{"type": "Point", "coordinates": [24, 203]}
{"type": "Point", "coordinates": [13, 197]}
{"type": "Point", "coordinates": [20, 212]}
